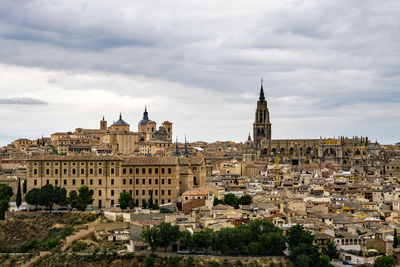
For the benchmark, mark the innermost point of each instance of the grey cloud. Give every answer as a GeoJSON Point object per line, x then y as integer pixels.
{"type": "Point", "coordinates": [21, 101]}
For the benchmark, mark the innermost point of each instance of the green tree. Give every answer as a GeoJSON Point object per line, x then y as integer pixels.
{"type": "Point", "coordinates": [81, 199]}
{"type": "Point", "coordinates": [395, 239]}
{"type": "Point", "coordinates": [33, 197]}
{"type": "Point", "coordinates": [231, 200]}
{"type": "Point", "coordinates": [169, 234]}
{"type": "Point", "coordinates": [385, 261]}
{"type": "Point", "coordinates": [203, 239]}
{"type": "Point", "coordinates": [50, 195]}
{"type": "Point", "coordinates": [297, 235]}
{"type": "Point", "coordinates": [151, 200]}
{"type": "Point", "coordinates": [131, 204]}
{"type": "Point", "coordinates": [18, 199]}
{"type": "Point", "coordinates": [331, 251]}
{"type": "Point", "coordinates": [124, 199]}
{"type": "Point", "coordinates": [24, 187]}
{"type": "Point", "coordinates": [273, 242]}
{"type": "Point", "coordinates": [186, 240]}
{"type": "Point", "coordinates": [144, 204]}
{"type": "Point", "coordinates": [151, 236]}
{"type": "Point", "coordinates": [5, 194]}
{"type": "Point", "coordinates": [245, 200]}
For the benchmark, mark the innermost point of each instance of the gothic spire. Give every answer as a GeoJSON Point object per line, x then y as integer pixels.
{"type": "Point", "coordinates": [186, 150]}
{"type": "Point", "coordinates": [177, 152]}
{"type": "Point", "coordinates": [262, 97]}
{"type": "Point", "coordinates": [145, 113]}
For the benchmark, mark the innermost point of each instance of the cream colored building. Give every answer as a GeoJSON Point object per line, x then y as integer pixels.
{"type": "Point", "coordinates": [110, 175]}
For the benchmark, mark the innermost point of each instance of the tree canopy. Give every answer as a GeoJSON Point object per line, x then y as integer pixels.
{"type": "Point", "coordinates": [6, 193]}
{"type": "Point", "coordinates": [124, 200]}
{"type": "Point", "coordinates": [81, 199]}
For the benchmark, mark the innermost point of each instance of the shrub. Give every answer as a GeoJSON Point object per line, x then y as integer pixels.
{"type": "Point", "coordinates": [189, 262]}
{"type": "Point", "coordinates": [149, 261]}
{"type": "Point", "coordinates": [78, 246]}
{"type": "Point", "coordinates": [213, 264]}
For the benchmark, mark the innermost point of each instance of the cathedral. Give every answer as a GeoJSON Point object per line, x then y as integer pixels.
{"type": "Point", "coordinates": [348, 152]}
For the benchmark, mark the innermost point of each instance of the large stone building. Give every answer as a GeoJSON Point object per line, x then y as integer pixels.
{"type": "Point", "coordinates": [164, 177]}
{"type": "Point", "coordinates": [117, 139]}
{"type": "Point", "coordinates": [349, 152]}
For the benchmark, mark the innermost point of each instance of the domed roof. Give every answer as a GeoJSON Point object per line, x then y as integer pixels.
{"type": "Point", "coordinates": [145, 119]}
{"type": "Point", "coordinates": [120, 122]}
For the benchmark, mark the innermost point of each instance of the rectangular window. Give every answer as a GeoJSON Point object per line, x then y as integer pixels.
{"type": "Point", "coordinates": [143, 181]}
{"type": "Point", "coordinates": [123, 181]}
{"type": "Point", "coordinates": [162, 181]}
{"type": "Point", "coordinates": [169, 181]}
{"type": "Point", "coordinates": [149, 181]}
{"type": "Point", "coordinates": [112, 170]}
{"type": "Point", "coordinates": [137, 170]}
{"type": "Point", "coordinates": [35, 171]}
{"type": "Point", "coordinates": [65, 171]}
{"type": "Point", "coordinates": [112, 192]}
{"type": "Point", "coordinates": [169, 192]}
{"type": "Point", "coordinates": [73, 181]}
{"type": "Point", "coordinates": [156, 170]}
{"type": "Point", "coordinates": [65, 182]}
{"type": "Point", "coordinates": [156, 181]}
{"type": "Point", "coordinates": [131, 192]}
{"type": "Point", "coordinates": [73, 171]}
{"type": "Point", "coordinates": [169, 171]}
{"type": "Point", "coordinates": [137, 192]}
{"type": "Point", "coordinates": [150, 170]}
{"type": "Point", "coordinates": [130, 171]}
{"type": "Point", "coordinates": [47, 181]}
{"type": "Point", "coordinates": [143, 192]}
{"type": "Point", "coordinates": [162, 170]}
{"type": "Point", "coordinates": [150, 192]}
{"type": "Point", "coordinates": [156, 192]}
{"type": "Point", "coordinates": [143, 170]}
{"type": "Point", "coordinates": [91, 171]}
{"type": "Point", "coordinates": [91, 181]}
{"type": "Point", "coordinates": [47, 171]}
{"type": "Point", "coordinates": [130, 181]}
{"type": "Point", "coordinates": [137, 181]}
{"type": "Point", "coordinates": [82, 182]}
{"type": "Point", "coordinates": [82, 171]}
{"type": "Point", "coordinates": [35, 182]}
{"type": "Point", "coordinates": [56, 182]}
{"type": "Point", "coordinates": [100, 171]}
{"type": "Point", "coordinates": [162, 192]}
{"type": "Point", "coordinates": [112, 181]}
{"type": "Point", "coordinates": [99, 193]}
{"type": "Point", "coordinates": [56, 171]}
{"type": "Point", "coordinates": [99, 181]}
{"type": "Point", "coordinates": [123, 171]}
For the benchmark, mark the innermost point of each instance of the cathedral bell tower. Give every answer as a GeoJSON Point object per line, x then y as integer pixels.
{"type": "Point", "coordinates": [261, 125]}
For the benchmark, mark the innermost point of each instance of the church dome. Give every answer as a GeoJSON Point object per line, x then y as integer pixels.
{"type": "Point", "coordinates": [145, 119]}
{"type": "Point", "coordinates": [120, 122]}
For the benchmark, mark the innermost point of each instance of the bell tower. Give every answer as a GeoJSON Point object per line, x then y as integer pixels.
{"type": "Point", "coordinates": [261, 125]}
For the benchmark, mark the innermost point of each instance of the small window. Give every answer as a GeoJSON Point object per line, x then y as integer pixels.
{"type": "Point", "coordinates": [112, 181]}
{"type": "Point", "coordinates": [130, 181]}
{"type": "Point", "coordinates": [156, 170]}
{"type": "Point", "coordinates": [35, 182]}
{"type": "Point", "coordinates": [112, 170]}
{"type": "Point", "coordinates": [99, 193]}
{"type": "Point", "coordinates": [137, 181]}
{"type": "Point", "coordinates": [100, 171]}
{"type": "Point", "coordinates": [149, 181]}
{"type": "Point", "coordinates": [143, 170]}
{"type": "Point", "coordinates": [137, 192]}
{"type": "Point", "coordinates": [162, 192]}
{"type": "Point", "coordinates": [130, 171]}
{"type": "Point", "coordinates": [47, 181]}
{"type": "Point", "coordinates": [169, 192]}
{"type": "Point", "coordinates": [169, 181]}
{"type": "Point", "coordinates": [73, 171]}
{"type": "Point", "coordinates": [143, 192]}
{"type": "Point", "coordinates": [156, 192]}
{"type": "Point", "coordinates": [35, 171]}
{"type": "Point", "coordinates": [91, 171]}
{"type": "Point", "coordinates": [82, 182]}
{"type": "Point", "coordinates": [73, 181]}
{"type": "Point", "coordinates": [65, 182]}
{"type": "Point", "coordinates": [169, 171]}
{"type": "Point", "coordinates": [65, 171]}
{"type": "Point", "coordinates": [162, 181]}
{"type": "Point", "coordinates": [56, 171]}
{"type": "Point", "coordinates": [131, 192]}
{"type": "Point", "coordinates": [156, 181]}
{"type": "Point", "coordinates": [91, 181]}
{"type": "Point", "coordinates": [112, 192]}
{"type": "Point", "coordinates": [137, 170]}
{"type": "Point", "coordinates": [82, 171]}
{"type": "Point", "coordinates": [150, 170]}
{"type": "Point", "coordinates": [162, 170]}
{"type": "Point", "coordinates": [47, 171]}
{"type": "Point", "coordinates": [123, 171]}
{"type": "Point", "coordinates": [123, 181]}
{"type": "Point", "coordinates": [143, 181]}
{"type": "Point", "coordinates": [56, 182]}
{"type": "Point", "coordinates": [99, 181]}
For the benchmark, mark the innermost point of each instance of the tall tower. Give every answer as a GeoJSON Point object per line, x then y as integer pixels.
{"type": "Point", "coordinates": [261, 125]}
{"type": "Point", "coordinates": [103, 124]}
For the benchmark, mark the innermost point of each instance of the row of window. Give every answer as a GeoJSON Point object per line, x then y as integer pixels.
{"type": "Point", "coordinates": [138, 202]}
{"type": "Point", "coordinates": [112, 171]}
{"type": "Point", "coordinates": [112, 181]}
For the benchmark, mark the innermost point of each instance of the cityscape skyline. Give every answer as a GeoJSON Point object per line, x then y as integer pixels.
{"type": "Point", "coordinates": [198, 65]}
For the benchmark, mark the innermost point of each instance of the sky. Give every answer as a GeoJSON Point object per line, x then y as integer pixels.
{"type": "Point", "coordinates": [330, 68]}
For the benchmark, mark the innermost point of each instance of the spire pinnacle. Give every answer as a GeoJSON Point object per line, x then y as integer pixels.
{"type": "Point", "coordinates": [120, 116]}
{"type": "Point", "coordinates": [262, 97]}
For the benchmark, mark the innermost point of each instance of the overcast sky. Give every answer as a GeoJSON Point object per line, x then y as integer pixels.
{"type": "Point", "coordinates": [330, 68]}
